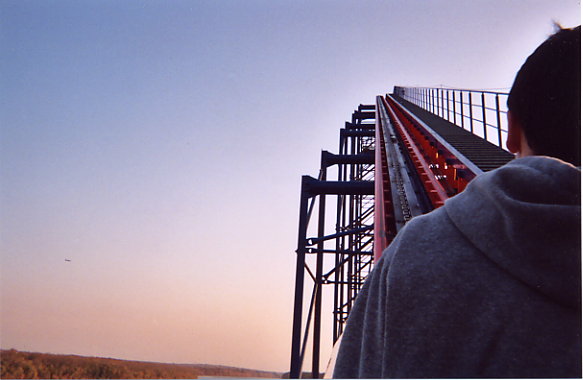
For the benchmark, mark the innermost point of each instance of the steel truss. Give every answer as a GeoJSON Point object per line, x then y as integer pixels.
{"type": "Point", "coordinates": [388, 172]}
{"type": "Point", "coordinates": [351, 243]}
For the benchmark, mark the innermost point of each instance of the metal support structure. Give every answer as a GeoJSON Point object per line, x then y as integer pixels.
{"type": "Point", "coordinates": [350, 243]}
{"type": "Point", "coordinates": [389, 170]}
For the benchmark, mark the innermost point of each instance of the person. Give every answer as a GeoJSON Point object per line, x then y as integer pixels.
{"type": "Point", "coordinates": [489, 285]}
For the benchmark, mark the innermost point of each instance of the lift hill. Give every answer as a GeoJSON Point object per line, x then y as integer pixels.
{"type": "Point", "coordinates": [398, 158]}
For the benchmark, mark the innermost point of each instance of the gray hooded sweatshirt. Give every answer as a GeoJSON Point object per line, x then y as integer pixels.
{"type": "Point", "coordinates": [488, 285]}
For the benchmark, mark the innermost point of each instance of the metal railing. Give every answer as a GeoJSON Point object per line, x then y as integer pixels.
{"type": "Point", "coordinates": [481, 112]}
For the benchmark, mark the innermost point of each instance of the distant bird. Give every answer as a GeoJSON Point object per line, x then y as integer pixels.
{"type": "Point", "coordinates": [69, 260]}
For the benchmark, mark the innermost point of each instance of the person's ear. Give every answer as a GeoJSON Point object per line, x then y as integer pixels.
{"type": "Point", "coordinates": [514, 139]}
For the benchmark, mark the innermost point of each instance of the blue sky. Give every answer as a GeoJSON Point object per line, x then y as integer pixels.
{"type": "Point", "coordinates": [160, 145]}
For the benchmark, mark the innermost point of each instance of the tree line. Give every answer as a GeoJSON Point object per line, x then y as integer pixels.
{"type": "Point", "coordinates": [31, 365]}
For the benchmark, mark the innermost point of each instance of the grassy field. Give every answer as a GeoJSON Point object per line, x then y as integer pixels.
{"type": "Point", "coordinates": [30, 365]}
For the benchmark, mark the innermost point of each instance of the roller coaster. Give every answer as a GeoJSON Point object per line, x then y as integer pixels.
{"type": "Point", "coordinates": [398, 158]}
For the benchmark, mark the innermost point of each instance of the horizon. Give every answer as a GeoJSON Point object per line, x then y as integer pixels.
{"type": "Point", "coordinates": [137, 361]}
{"type": "Point", "coordinates": [151, 156]}
{"type": "Point", "coordinates": [20, 364]}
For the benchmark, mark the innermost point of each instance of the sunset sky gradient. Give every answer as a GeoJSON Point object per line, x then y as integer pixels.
{"type": "Point", "coordinates": [159, 146]}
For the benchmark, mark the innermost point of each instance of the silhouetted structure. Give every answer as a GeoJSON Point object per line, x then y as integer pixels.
{"type": "Point", "coordinates": [399, 158]}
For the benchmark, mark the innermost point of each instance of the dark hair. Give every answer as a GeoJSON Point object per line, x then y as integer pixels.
{"type": "Point", "coordinates": [546, 97]}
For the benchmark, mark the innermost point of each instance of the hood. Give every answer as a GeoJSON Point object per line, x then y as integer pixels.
{"type": "Point", "coordinates": [526, 217]}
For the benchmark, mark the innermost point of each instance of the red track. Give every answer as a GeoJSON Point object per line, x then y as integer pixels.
{"type": "Point", "coordinates": [440, 172]}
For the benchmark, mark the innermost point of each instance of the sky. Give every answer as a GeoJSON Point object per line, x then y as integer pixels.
{"type": "Point", "coordinates": [160, 146]}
